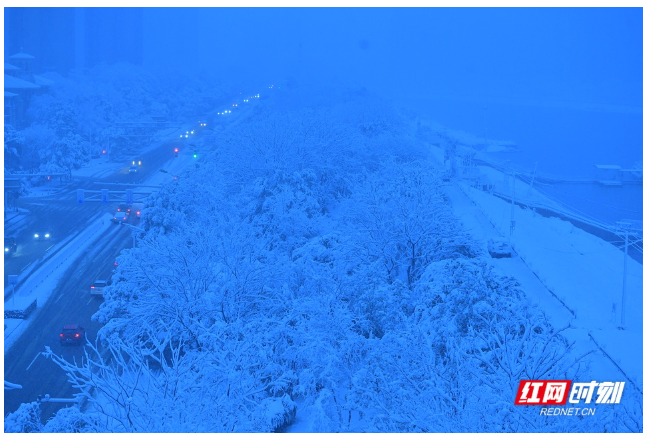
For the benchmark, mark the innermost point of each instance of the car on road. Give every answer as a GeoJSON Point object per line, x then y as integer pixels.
{"type": "Point", "coordinates": [10, 246]}
{"type": "Point", "coordinates": [42, 235]}
{"type": "Point", "coordinates": [499, 249]}
{"type": "Point", "coordinates": [72, 334]}
{"type": "Point", "coordinates": [136, 162]}
{"type": "Point", "coordinates": [123, 207]}
{"type": "Point", "coordinates": [119, 217]}
{"type": "Point", "coordinates": [133, 169]}
{"type": "Point", "coordinates": [97, 287]}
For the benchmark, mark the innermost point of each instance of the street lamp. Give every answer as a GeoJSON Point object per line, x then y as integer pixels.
{"type": "Point", "coordinates": [627, 227]}
{"type": "Point", "coordinates": [134, 236]}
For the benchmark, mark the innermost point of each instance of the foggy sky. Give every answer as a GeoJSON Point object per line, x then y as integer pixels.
{"type": "Point", "coordinates": [564, 55]}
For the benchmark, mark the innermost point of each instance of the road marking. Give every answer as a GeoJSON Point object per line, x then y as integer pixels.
{"type": "Point", "coordinates": [33, 361]}
{"type": "Point", "coordinates": [88, 303]}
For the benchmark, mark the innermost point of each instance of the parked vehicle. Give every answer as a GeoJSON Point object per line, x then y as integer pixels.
{"type": "Point", "coordinates": [499, 249]}
{"type": "Point", "coordinates": [72, 334]}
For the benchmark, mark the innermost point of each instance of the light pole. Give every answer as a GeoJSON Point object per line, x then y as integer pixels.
{"type": "Point", "coordinates": [531, 185]}
{"type": "Point", "coordinates": [512, 222]}
{"type": "Point", "coordinates": [134, 235]}
{"type": "Point", "coordinates": [626, 227]}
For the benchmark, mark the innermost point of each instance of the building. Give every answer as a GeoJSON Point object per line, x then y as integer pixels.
{"type": "Point", "coordinates": [65, 39]}
{"type": "Point", "coordinates": [20, 84]}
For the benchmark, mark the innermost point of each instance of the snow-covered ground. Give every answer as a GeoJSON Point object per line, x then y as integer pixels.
{"type": "Point", "coordinates": [40, 285]}
{"type": "Point", "coordinates": [574, 277]}
{"type": "Point", "coordinates": [571, 275]}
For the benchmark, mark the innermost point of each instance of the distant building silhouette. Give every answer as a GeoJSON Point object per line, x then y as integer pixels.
{"type": "Point", "coordinates": [63, 39]}
{"type": "Point", "coordinates": [20, 84]}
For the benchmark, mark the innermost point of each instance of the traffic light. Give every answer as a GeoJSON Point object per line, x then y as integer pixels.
{"type": "Point", "coordinates": [195, 154]}
{"type": "Point", "coordinates": [105, 196]}
{"type": "Point", "coordinates": [176, 151]}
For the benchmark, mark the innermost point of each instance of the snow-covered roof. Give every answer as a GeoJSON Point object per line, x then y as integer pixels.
{"type": "Point", "coordinates": [21, 56]}
{"type": "Point", "coordinates": [8, 66]}
{"type": "Point", "coordinates": [41, 81]}
{"type": "Point", "coordinates": [9, 94]}
{"type": "Point", "coordinates": [608, 167]}
{"type": "Point", "coordinates": [11, 82]}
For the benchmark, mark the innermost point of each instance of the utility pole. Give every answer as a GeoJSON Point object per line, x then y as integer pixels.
{"type": "Point", "coordinates": [531, 185]}
{"type": "Point", "coordinates": [627, 227]}
{"type": "Point", "coordinates": [623, 288]}
{"type": "Point", "coordinates": [512, 222]}
{"type": "Point", "coordinates": [134, 234]}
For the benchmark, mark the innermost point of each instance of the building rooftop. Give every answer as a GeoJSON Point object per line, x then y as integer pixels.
{"type": "Point", "coordinates": [11, 82]}
{"type": "Point", "coordinates": [22, 56]}
{"type": "Point", "coordinates": [8, 66]}
{"type": "Point", "coordinates": [42, 81]}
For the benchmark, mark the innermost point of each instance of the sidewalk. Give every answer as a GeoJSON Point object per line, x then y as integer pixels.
{"type": "Point", "coordinates": [583, 272]}
{"type": "Point", "coordinates": [573, 276]}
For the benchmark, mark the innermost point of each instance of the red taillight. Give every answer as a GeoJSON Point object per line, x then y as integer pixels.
{"type": "Point", "coordinates": [103, 151]}
{"type": "Point", "coordinates": [138, 212]}
{"type": "Point", "coordinates": [176, 150]}
{"type": "Point", "coordinates": [61, 335]}
{"type": "Point", "coordinates": [92, 287]}
{"type": "Point", "coordinates": [76, 335]}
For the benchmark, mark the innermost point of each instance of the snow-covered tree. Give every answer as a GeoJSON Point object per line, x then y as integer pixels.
{"type": "Point", "coordinates": [25, 419]}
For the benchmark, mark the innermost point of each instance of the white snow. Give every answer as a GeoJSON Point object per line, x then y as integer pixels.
{"type": "Point", "coordinates": [562, 267]}
{"type": "Point", "coordinates": [40, 285]}
{"type": "Point", "coordinates": [573, 276]}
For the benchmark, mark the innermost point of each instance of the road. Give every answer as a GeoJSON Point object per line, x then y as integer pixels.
{"type": "Point", "coordinates": [71, 302]}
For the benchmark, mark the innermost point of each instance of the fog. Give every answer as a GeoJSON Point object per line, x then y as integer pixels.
{"type": "Point", "coordinates": [544, 56]}
{"type": "Point", "coordinates": [323, 219]}
{"type": "Point", "coordinates": [562, 84]}
{"type": "Point", "coordinates": [557, 82]}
